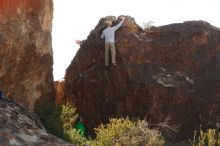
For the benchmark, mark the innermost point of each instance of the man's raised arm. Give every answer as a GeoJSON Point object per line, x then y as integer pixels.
{"type": "Point", "coordinates": [119, 24]}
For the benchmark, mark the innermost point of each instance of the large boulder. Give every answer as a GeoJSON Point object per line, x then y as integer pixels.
{"type": "Point", "coordinates": [26, 56]}
{"type": "Point", "coordinates": [21, 127]}
{"type": "Point", "coordinates": [170, 70]}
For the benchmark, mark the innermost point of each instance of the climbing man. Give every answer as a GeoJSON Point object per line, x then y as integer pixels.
{"type": "Point", "coordinates": [109, 35]}
{"type": "Point", "coordinates": [79, 126]}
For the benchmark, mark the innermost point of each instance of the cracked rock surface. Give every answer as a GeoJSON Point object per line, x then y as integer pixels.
{"type": "Point", "coordinates": [26, 51]}
{"type": "Point", "coordinates": [21, 127]}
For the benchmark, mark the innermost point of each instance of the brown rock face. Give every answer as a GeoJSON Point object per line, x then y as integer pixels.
{"type": "Point", "coordinates": [170, 70]}
{"type": "Point", "coordinates": [59, 92]}
{"type": "Point", "coordinates": [26, 51]}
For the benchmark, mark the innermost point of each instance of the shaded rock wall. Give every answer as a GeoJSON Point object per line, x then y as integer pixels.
{"type": "Point", "coordinates": [170, 70]}
{"type": "Point", "coordinates": [26, 51]}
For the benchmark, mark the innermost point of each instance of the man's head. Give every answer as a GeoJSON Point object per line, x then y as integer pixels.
{"type": "Point", "coordinates": [109, 23]}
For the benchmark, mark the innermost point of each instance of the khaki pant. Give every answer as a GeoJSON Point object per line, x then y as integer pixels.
{"type": "Point", "coordinates": [110, 46]}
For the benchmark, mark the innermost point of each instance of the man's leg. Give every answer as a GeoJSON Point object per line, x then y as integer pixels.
{"type": "Point", "coordinates": [107, 54]}
{"type": "Point", "coordinates": [113, 53]}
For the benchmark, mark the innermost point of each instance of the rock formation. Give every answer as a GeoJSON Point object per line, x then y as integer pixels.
{"type": "Point", "coordinates": [20, 127]}
{"type": "Point", "coordinates": [59, 92]}
{"type": "Point", "coordinates": [26, 51]}
{"type": "Point", "coordinates": [168, 70]}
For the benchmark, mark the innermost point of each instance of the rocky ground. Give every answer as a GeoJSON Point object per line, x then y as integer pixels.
{"type": "Point", "coordinates": [21, 127]}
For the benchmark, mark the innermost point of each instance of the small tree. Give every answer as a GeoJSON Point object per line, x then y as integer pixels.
{"type": "Point", "coordinates": [147, 25]}
{"type": "Point", "coordinates": [68, 116]}
{"type": "Point", "coordinates": [49, 115]}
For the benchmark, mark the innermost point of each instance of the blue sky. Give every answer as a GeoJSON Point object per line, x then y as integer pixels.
{"type": "Point", "coordinates": [74, 19]}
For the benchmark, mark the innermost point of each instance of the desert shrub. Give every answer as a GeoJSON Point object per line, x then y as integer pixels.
{"type": "Point", "coordinates": [76, 138]}
{"type": "Point", "coordinates": [68, 116]}
{"type": "Point", "coordinates": [209, 138]}
{"type": "Point", "coordinates": [140, 134]}
{"type": "Point", "coordinates": [124, 132]}
{"type": "Point", "coordinates": [147, 25]}
{"type": "Point", "coordinates": [109, 133]}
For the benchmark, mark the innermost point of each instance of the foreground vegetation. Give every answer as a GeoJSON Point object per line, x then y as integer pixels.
{"type": "Point", "coordinates": [211, 137]}
{"type": "Point", "coordinates": [59, 120]}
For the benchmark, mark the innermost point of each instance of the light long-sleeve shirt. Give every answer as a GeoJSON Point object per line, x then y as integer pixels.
{"type": "Point", "coordinates": [109, 33]}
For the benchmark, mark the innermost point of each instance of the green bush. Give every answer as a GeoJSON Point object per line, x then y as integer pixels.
{"type": "Point", "coordinates": [124, 132]}
{"type": "Point", "coordinates": [209, 138]}
{"type": "Point", "coordinates": [109, 133]}
{"type": "Point", "coordinates": [68, 116]}
{"type": "Point", "coordinates": [76, 138]}
{"type": "Point", "coordinates": [140, 134]}
{"type": "Point", "coordinates": [59, 121]}
{"type": "Point", "coordinates": [49, 115]}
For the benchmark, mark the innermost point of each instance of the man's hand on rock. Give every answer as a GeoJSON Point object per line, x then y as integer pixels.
{"type": "Point", "coordinates": [78, 42]}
